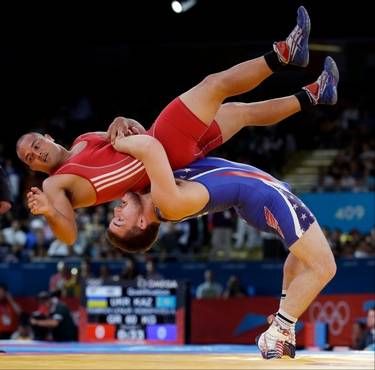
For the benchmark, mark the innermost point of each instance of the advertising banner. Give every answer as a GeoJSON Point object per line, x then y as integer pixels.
{"type": "Point", "coordinates": [240, 320]}
{"type": "Point", "coordinates": [345, 211]}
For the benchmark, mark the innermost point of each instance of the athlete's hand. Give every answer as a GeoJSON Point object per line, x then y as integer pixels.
{"type": "Point", "coordinates": [38, 202]}
{"type": "Point", "coordinates": [126, 126]}
{"type": "Point", "coordinates": [119, 143]}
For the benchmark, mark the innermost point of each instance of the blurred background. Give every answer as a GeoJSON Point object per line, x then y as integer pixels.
{"type": "Point", "coordinates": [69, 69]}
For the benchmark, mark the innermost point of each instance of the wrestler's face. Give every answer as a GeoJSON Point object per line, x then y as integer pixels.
{"type": "Point", "coordinates": [127, 214]}
{"type": "Point", "coordinates": [39, 152]}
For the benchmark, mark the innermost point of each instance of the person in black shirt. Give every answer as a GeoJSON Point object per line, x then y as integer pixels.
{"type": "Point", "coordinates": [59, 319]}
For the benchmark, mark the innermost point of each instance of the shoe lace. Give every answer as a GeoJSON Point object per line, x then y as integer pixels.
{"type": "Point", "coordinates": [292, 337]}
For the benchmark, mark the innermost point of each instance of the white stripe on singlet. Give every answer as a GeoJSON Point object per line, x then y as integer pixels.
{"type": "Point", "coordinates": [133, 163]}
{"type": "Point", "coordinates": [99, 188]}
{"type": "Point", "coordinates": [118, 175]}
{"type": "Point", "coordinates": [111, 178]}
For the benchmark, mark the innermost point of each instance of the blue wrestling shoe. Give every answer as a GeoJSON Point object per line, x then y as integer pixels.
{"type": "Point", "coordinates": [295, 49]}
{"type": "Point", "coordinates": [324, 89]}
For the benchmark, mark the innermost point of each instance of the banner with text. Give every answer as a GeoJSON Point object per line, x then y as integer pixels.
{"type": "Point", "coordinates": [345, 211]}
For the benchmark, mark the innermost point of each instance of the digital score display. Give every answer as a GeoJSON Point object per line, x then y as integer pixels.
{"type": "Point", "coordinates": [137, 311]}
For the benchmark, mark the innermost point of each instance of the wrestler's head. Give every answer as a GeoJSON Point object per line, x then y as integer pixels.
{"type": "Point", "coordinates": [39, 152]}
{"type": "Point", "coordinates": [133, 227]}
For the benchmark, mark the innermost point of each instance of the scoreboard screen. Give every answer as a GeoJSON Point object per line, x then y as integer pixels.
{"type": "Point", "coordinates": [134, 311]}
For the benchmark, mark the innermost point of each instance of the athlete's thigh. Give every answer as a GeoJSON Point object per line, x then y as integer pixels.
{"type": "Point", "coordinates": [299, 228]}
{"type": "Point", "coordinates": [184, 137]}
{"type": "Point", "coordinates": [270, 208]}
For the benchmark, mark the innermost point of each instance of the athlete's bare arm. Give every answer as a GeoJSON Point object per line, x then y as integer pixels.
{"type": "Point", "coordinates": [128, 126]}
{"type": "Point", "coordinates": [175, 201]}
{"type": "Point", "coordinates": [54, 204]}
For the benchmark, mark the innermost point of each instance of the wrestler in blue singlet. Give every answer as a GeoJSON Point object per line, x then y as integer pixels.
{"type": "Point", "coordinates": [260, 199]}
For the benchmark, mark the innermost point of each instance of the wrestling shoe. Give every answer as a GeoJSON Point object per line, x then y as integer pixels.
{"type": "Point", "coordinates": [290, 343]}
{"type": "Point", "coordinates": [271, 342]}
{"type": "Point", "coordinates": [295, 49]}
{"type": "Point", "coordinates": [324, 89]}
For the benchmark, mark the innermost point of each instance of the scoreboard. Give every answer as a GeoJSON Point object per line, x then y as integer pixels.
{"type": "Point", "coordinates": [134, 311]}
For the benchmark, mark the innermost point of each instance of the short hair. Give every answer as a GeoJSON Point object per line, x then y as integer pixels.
{"type": "Point", "coordinates": [136, 240]}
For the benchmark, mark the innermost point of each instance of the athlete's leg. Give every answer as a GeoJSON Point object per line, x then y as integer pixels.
{"type": "Point", "coordinates": [292, 268]}
{"type": "Point", "coordinates": [309, 268]}
{"type": "Point", "coordinates": [313, 250]}
{"type": "Point", "coordinates": [204, 100]}
{"type": "Point", "coordinates": [232, 117]}
{"type": "Point", "coordinates": [303, 282]}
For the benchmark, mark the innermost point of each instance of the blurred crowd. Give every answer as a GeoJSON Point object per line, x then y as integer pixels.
{"type": "Point", "coordinates": [221, 236]}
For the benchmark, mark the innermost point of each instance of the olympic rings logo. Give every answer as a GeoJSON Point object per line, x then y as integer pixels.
{"type": "Point", "coordinates": [337, 315]}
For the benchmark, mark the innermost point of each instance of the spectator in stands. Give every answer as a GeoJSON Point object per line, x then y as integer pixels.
{"type": "Point", "coordinates": [234, 288]}
{"type": "Point", "coordinates": [129, 271]}
{"type": "Point", "coordinates": [24, 331]}
{"type": "Point", "coordinates": [58, 318]}
{"type": "Point", "coordinates": [57, 280]}
{"type": "Point", "coordinates": [151, 271]}
{"type": "Point", "coordinates": [85, 270]}
{"type": "Point", "coordinates": [104, 272]}
{"type": "Point", "coordinates": [9, 313]}
{"type": "Point", "coordinates": [222, 224]}
{"type": "Point", "coordinates": [246, 235]}
{"type": "Point", "coordinates": [58, 249]}
{"type": "Point", "coordinates": [14, 235]}
{"type": "Point", "coordinates": [13, 178]}
{"type": "Point", "coordinates": [5, 194]}
{"type": "Point", "coordinates": [36, 241]}
{"type": "Point", "coordinates": [358, 330]}
{"type": "Point", "coordinates": [168, 239]}
{"type": "Point", "coordinates": [363, 249]}
{"type": "Point", "coordinates": [209, 288]}
{"type": "Point", "coordinates": [368, 337]}
{"type": "Point", "coordinates": [72, 284]}
{"type": "Point", "coordinates": [5, 248]}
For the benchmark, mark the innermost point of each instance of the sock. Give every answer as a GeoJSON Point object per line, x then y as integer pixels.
{"type": "Point", "coordinates": [282, 297]}
{"type": "Point", "coordinates": [285, 320]}
{"type": "Point", "coordinates": [304, 100]}
{"type": "Point", "coordinates": [273, 61]}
